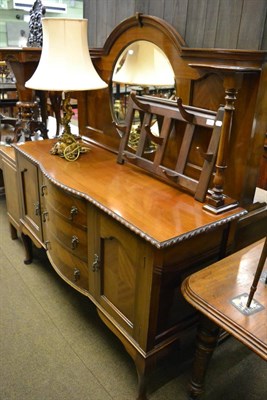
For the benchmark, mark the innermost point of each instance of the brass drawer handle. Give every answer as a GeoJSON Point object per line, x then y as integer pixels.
{"type": "Point", "coordinates": [74, 242]}
{"type": "Point", "coordinates": [37, 208]}
{"type": "Point", "coordinates": [73, 211]}
{"type": "Point", "coordinates": [76, 274]}
{"type": "Point", "coordinates": [45, 216]}
{"type": "Point", "coordinates": [47, 244]}
{"type": "Point", "coordinates": [43, 190]}
{"type": "Point", "coordinates": [96, 263]}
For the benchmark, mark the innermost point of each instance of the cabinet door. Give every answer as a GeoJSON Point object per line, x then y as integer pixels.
{"type": "Point", "coordinates": [30, 197]}
{"type": "Point", "coordinates": [11, 191]}
{"type": "Point", "coordinates": [122, 264]}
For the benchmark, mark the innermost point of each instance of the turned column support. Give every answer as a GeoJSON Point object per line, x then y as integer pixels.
{"type": "Point", "coordinates": [232, 75]}
{"type": "Point", "coordinates": [217, 202]}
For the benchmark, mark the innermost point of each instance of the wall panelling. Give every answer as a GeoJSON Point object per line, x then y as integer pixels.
{"type": "Point", "coordinates": [235, 24]}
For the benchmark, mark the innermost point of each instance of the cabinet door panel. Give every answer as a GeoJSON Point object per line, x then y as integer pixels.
{"type": "Point", "coordinates": [118, 269]}
{"type": "Point", "coordinates": [11, 191]}
{"type": "Point", "coordinates": [31, 205]}
{"type": "Point", "coordinates": [123, 275]}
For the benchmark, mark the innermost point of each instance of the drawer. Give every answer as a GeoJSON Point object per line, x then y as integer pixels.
{"type": "Point", "coordinates": [71, 207]}
{"type": "Point", "coordinates": [72, 237]}
{"type": "Point", "coordinates": [71, 268]}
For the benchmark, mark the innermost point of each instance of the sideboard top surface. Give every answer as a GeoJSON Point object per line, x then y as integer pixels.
{"type": "Point", "coordinates": [154, 210]}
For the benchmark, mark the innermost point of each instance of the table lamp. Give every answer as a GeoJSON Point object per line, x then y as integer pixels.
{"type": "Point", "coordinates": [145, 65]}
{"type": "Point", "coordinates": [65, 66]}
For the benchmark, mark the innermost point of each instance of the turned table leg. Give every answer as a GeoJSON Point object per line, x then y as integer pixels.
{"type": "Point", "coordinates": [207, 338]}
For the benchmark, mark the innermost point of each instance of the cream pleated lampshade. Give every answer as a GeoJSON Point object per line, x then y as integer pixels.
{"type": "Point", "coordinates": [65, 63]}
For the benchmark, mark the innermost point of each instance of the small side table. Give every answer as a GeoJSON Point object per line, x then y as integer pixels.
{"type": "Point", "coordinates": [23, 62]}
{"type": "Point", "coordinates": [216, 291]}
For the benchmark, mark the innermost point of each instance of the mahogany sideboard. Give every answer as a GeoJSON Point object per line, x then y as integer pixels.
{"type": "Point", "coordinates": [123, 239]}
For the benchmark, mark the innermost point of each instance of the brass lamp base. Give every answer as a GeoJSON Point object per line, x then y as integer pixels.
{"type": "Point", "coordinates": [68, 146]}
{"type": "Point", "coordinates": [67, 113]}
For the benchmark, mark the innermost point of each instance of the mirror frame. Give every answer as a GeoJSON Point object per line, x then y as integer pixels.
{"type": "Point", "coordinates": [138, 27]}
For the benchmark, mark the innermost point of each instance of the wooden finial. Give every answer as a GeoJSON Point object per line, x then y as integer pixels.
{"type": "Point", "coordinates": [139, 19]}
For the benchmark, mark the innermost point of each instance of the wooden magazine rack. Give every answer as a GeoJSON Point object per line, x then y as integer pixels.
{"type": "Point", "coordinates": [177, 143]}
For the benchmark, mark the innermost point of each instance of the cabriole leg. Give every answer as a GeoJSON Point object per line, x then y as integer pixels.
{"type": "Point", "coordinates": [28, 248]}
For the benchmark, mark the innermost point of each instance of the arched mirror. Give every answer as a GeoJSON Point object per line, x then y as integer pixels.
{"type": "Point", "coordinates": [138, 29]}
{"type": "Point", "coordinates": [141, 67]}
